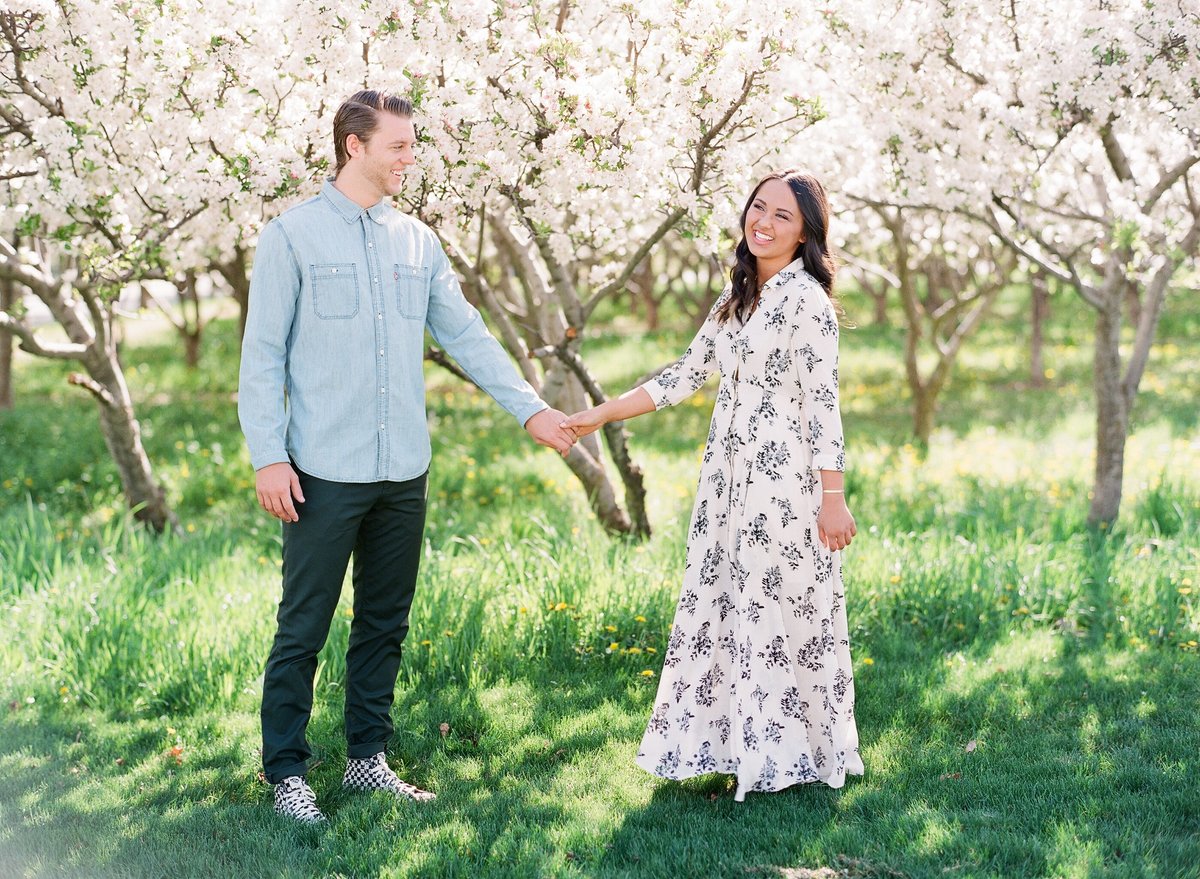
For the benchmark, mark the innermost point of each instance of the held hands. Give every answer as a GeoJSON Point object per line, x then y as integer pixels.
{"type": "Point", "coordinates": [276, 485]}
{"type": "Point", "coordinates": [835, 525]}
{"type": "Point", "coordinates": [546, 429]}
{"type": "Point", "coordinates": [585, 422]}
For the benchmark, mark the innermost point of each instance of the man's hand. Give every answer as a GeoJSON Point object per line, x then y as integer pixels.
{"type": "Point", "coordinates": [276, 485]}
{"type": "Point", "coordinates": [544, 428]}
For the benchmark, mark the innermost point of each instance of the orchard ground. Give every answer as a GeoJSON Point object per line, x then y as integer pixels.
{"type": "Point", "coordinates": [1027, 690]}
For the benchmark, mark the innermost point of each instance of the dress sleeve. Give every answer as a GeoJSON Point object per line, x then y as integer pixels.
{"type": "Point", "coordinates": [815, 354]}
{"type": "Point", "coordinates": [689, 373]}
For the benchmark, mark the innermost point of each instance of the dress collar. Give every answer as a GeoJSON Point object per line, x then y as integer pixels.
{"type": "Point", "coordinates": [785, 274]}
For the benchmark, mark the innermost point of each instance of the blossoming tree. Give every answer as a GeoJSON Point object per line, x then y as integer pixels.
{"type": "Point", "coordinates": [1072, 131]}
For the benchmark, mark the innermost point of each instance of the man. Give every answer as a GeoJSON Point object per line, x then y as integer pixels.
{"type": "Point", "coordinates": [343, 289]}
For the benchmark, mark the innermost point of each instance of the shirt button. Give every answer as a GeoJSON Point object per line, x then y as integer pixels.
{"type": "Point", "coordinates": [370, 244]}
{"type": "Point", "coordinates": [379, 315]}
{"type": "Point", "coordinates": [381, 427]}
{"type": "Point", "coordinates": [383, 390]}
{"type": "Point", "coordinates": [380, 352]}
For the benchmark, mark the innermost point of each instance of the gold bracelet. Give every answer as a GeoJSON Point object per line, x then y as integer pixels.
{"type": "Point", "coordinates": [832, 491]}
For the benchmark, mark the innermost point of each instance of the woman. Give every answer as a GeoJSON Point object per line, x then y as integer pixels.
{"type": "Point", "coordinates": [756, 676]}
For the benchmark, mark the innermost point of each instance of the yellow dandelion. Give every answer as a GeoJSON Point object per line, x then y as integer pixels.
{"type": "Point", "coordinates": [614, 645]}
{"type": "Point", "coordinates": [427, 643]}
{"type": "Point", "coordinates": [522, 609]}
{"type": "Point", "coordinates": [1185, 590]}
{"type": "Point", "coordinates": [651, 650]}
{"type": "Point", "coordinates": [448, 633]}
{"type": "Point", "coordinates": [610, 628]}
{"type": "Point", "coordinates": [648, 673]}
{"type": "Point", "coordinates": [868, 661]}
{"type": "Point", "coordinates": [562, 605]}
{"type": "Point", "coordinates": [348, 611]}
{"type": "Point", "coordinates": [639, 619]}
{"type": "Point", "coordinates": [62, 691]}
{"type": "Point", "coordinates": [895, 578]}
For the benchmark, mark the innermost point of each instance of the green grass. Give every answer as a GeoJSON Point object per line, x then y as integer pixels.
{"type": "Point", "coordinates": [981, 610]}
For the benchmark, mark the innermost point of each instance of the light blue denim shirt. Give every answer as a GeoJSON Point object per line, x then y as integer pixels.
{"type": "Point", "coordinates": [331, 373]}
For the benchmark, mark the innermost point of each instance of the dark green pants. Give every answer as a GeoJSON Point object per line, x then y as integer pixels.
{"type": "Point", "coordinates": [380, 523]}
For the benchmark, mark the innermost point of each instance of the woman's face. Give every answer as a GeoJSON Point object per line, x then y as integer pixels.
{"type": "Point", "coordinates": [774, 227]}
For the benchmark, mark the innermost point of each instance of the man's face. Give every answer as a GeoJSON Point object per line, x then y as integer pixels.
{"type": "Point", "coordinates": [383, 159]}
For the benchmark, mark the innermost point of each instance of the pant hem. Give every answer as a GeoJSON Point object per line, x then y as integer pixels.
{"type": "Point", "coordinates": [361, 752]}
{"type": "Point", "coordinates": [300, 769]}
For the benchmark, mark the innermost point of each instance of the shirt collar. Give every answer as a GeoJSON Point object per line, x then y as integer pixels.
{"type": "Point", "coordinates": [351, 210]}
{"type": "Point", "coordinates": [788, 272]}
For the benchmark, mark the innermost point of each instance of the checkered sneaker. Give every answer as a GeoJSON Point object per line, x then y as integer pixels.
{"type": "Point", "coordinates": [295, 799]}
{"type": "Point", "coordinates": [373, 773]}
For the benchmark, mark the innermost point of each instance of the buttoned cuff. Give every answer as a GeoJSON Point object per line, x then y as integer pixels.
{"type": "Point", "coordinates": [266, 459]}
{"type": "Point", "coordinates": [525, 413]}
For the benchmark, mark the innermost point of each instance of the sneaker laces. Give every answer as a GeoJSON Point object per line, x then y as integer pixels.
{"type": "Point", "coordinates": [298, 799]}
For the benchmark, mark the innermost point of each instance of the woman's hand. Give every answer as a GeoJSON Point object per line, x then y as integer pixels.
{"type": "Point", "coordinates": [835, 525]}
{"type": "Point", "coordinates": [587, 421]}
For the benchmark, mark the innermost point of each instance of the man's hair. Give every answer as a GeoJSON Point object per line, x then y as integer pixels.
{"type": "Point", "coordinates": [359, 115]}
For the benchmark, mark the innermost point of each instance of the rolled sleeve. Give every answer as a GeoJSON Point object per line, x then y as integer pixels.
{"type": "Point", "coordinates": [459, 328]}
{"type": "Point", "coordinates": [262, 382]}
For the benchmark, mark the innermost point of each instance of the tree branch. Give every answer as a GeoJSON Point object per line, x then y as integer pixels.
{"type": "Point", "coordinates": [1167, 181]}
{"type": "Point", "coordinates": [1156, 293]}
{"type": "Point", "coordinates": [30, 342]}
{"type": "Point", "coordinates": [1116, 154]}
{"type": "Point", "coordinates": [633, 262]}
{"type": "Point", "coordinates": [94, 387]}
{"type": "Point", "coordinates": [1067, 275]}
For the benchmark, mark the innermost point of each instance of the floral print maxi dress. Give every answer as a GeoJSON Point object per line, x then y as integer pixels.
{"type": "Point", "coordinates": [756, 677]}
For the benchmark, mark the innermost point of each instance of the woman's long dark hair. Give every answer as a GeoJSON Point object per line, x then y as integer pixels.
{"type": "Point", "coordinates": [814, 209]}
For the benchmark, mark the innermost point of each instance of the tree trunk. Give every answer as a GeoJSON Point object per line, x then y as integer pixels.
{"type": "Point", "coordinates": [1133, 302]}
{"type": "Point", "coordinates": [1112, 415]}
{"type": "Point", "coordinates": [191, 348]}
{"type": "Point", "coordinates": [599, 490]}
{"type": "Point", "coordinates": [8, 296]}
{"type": "Point", "coordinates": [924, 412]}
{"type": "Point", "coordinates": [643, 281]}
{"type": "Point", "coordinates": [235, 275]}
{"type": "Point", "coordinates": [879, 314]}
{"type": "Point", "coordinates": [191, 328]}
{"type": "Point", "coordinates": [1040, 301]}
{"type": "Point", "coordinates": [123, 436]}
